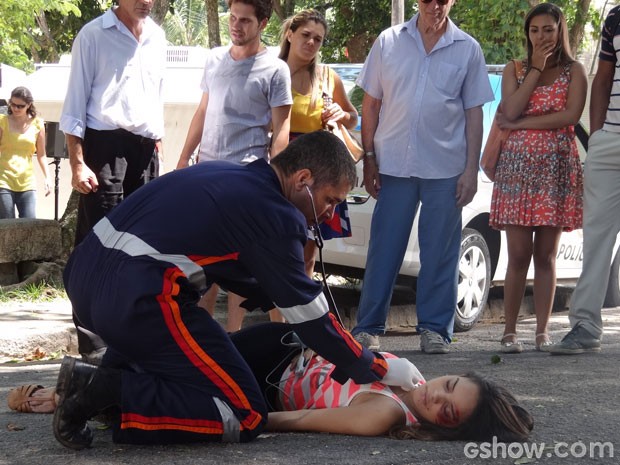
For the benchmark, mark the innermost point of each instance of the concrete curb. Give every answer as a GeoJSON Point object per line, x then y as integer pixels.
{"type": "Point", "coordinates": [42, 330]}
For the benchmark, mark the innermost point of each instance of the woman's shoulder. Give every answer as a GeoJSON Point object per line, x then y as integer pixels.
{"type": "Point", "coordinates": [38, 122]}
{"type": "Point", "coordinates": [576, 67]}
{"type": "Point", "coordinates": [517, 65]}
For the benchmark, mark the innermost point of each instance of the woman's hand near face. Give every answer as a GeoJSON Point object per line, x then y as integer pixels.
{"type": "Point", "coordinates": [541, 52]}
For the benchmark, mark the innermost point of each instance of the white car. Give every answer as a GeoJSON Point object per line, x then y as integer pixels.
{"type": "Point", "coordinates": [483, 258]}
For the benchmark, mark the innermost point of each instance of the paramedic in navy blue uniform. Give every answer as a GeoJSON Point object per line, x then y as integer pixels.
{"type": "Point", "coordinates": [136, 279]}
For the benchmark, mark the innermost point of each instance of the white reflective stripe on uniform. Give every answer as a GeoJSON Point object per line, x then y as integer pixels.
{"type": "Point", "coordinates": [136, 247]}
{"type": "Point", "coordinates": [308, 312]}
{"type": "Point", "coordinates": [230, 423]}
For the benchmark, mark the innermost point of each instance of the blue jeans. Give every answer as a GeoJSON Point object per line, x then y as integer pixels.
{"type": "Point", "coordinates": [25, 202]}
{"type": "Point", "coordinates": [439, 238]}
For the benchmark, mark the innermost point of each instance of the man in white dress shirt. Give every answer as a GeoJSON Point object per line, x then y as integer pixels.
{"type": "Point", "coordinates": [113, 112]}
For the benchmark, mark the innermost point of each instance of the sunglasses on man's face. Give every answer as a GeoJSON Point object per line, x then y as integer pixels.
{"type": "Point", "coordinates": [439, 2]}
{"type": "Point", "coordinates": [17, 105]}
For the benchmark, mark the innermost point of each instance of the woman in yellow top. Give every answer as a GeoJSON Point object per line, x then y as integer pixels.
{"type": "Point", "coordinates": [22, 134]}
{"type": "Point", "coordinates": [318, 97]}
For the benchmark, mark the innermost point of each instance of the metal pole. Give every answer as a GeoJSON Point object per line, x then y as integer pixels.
{"type": "Point", "coordinates": [56, 185]}
{"type": "Point", "coordinates": [398, 12]}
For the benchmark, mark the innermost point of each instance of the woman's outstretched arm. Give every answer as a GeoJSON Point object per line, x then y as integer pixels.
{"type": "Point", "coordinates": [374, 416]}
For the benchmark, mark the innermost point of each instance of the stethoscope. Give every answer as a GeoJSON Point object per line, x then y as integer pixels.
{"type": "Point", "coordinates": [318, 239]}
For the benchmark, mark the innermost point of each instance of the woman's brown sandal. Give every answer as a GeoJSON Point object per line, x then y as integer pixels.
{"type": "Point", "coordinates": [32, 398]}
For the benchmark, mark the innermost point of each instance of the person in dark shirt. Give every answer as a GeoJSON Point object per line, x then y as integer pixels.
{"type": "Point", "coordinates": [136, 279]}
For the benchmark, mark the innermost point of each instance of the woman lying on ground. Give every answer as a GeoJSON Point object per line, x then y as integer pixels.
{"type": "Point", "coordinates": [303, 397]}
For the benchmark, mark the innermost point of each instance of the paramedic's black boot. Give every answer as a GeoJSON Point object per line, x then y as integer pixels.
{"type": "Point", "coordinates": [84, 390]}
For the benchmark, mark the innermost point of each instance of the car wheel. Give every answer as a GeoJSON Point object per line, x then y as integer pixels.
{"type": "Point", "coordinates": [474, 279]}
{"type": "Point", "coordinates": [612, 298]}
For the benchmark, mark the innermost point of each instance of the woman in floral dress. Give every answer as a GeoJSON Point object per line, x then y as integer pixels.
{"type": "Point", "coordinates": [538, 183]}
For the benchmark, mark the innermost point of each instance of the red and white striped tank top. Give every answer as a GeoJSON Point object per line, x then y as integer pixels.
{"type": "Point", "coordinates": [317, 390]}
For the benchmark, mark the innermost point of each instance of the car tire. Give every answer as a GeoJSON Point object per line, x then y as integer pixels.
{"type": "Point", "coordinates": [474, 280]}
{"type": "Point", "coordinates": [612, 297]}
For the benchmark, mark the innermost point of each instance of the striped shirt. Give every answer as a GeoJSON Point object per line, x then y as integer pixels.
{"type": "Point", "coordinates": [610, 51]}
{"type": "Point", "coordinates": [316, 389]}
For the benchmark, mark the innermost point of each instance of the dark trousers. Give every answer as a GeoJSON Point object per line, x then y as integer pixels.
{"type": "Point", "coordinates": [267, 348]}
{"type": "Point", "coordinates": [179, 367]}
{"type": "Point", "coordinates": [122, 162]}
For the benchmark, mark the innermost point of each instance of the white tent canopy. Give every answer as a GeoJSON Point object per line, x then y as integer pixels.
{"type": "Point", "coordinates": [10, 78]}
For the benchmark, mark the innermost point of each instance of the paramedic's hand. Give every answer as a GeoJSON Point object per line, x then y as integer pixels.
{"type": "Point", "coordinates": [401, 372]}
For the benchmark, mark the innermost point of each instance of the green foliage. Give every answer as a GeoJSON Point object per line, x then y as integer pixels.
{"type": "Point", "coordinates": [498, 25]}
{"type": "Point", "coordinates": [186, 25]}
{"type": "Point", "coordinates": [64, 28]}
{"type": "Point", "coordinates": [499, 32]}
{"type": "Point", "coordinates": [354, 25]}
{"type": "Point", "coordinates": [41, 30]}
{"type": "Point", "coordinates": [356, 95]}
{"type": "Point", "coordinates": [271, 34]}
{"type": "Point", "coordinates": [21, 34]}
{"type": "Point", "coordinates": [39, 292]}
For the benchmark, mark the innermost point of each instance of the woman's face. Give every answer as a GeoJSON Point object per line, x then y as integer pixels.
{"type": "Point", "coordinates": [543, 31]}
{"type": "Point", "coordinates": [18, 106]}
{"type": "Point", "coordinates": [446, 401]}
{"type": "Point", "coordinates": [306, 40]}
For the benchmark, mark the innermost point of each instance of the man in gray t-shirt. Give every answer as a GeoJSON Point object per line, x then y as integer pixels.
{"type": "Point", "coordinates": [242, 94]}
{"type": "Point", "coordinates": [246, 94]}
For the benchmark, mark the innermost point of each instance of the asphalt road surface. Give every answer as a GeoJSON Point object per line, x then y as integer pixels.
{"type": "Point", "coordinates": [573, 399]}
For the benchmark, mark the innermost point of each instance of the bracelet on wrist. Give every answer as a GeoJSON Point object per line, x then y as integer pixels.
{"type": "Point", "coordinates": [369, 154]}
{"type": "Point", "coordinates": [537, 69]}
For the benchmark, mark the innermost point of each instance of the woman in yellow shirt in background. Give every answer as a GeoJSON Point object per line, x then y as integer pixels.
{"type": "Point", "coordinates": [22, 134]}
{"type": "Point", "coordinates": [318, 97]}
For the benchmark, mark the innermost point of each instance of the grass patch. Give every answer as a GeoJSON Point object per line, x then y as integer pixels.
{"type": "Point", "coordinates": [40, 292]}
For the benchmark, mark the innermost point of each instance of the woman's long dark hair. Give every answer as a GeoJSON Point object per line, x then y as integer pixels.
{"type": "Point", "coordinates": [562, 54]}
{"type": "Point", "coordinates": [497, 414]}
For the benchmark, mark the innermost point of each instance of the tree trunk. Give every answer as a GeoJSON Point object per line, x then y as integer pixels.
{"type": "Point", "coordinates": [358, 46]}
{"type": "Point", "coordinates": [47, 42]}
{"type": "Point", "coordinates": [213, 23]}
{"type": "Point", "coordinates": [398, 12]}
{"type": "Point", "coordinates": [68, 223]}
{"type": "Point", "coordinates": [284, 8]}
{"type": "Point", "coordinates": [159, 11]}
{"type": "Point", "coordinates": [576, 32]}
